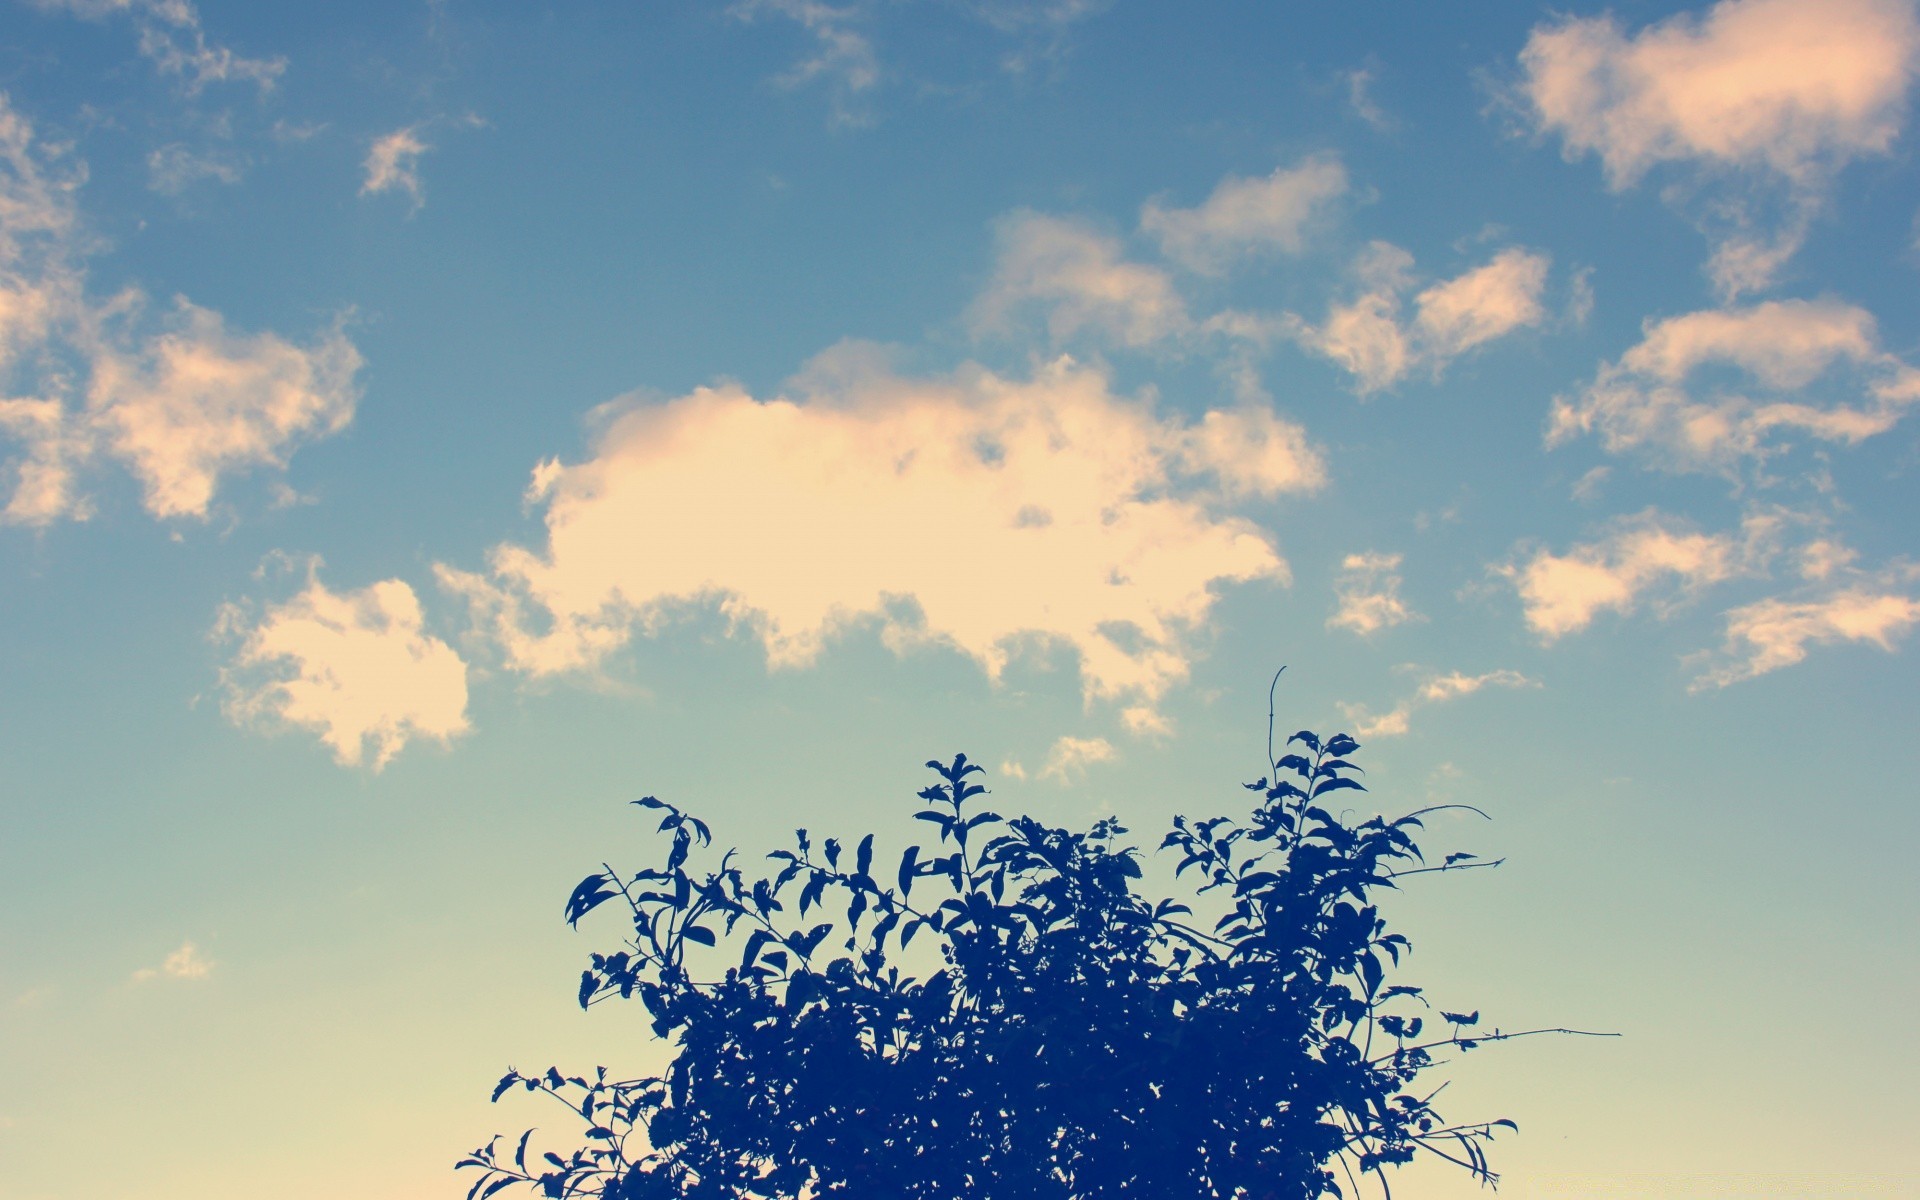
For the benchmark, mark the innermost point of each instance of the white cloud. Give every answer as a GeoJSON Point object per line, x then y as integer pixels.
{"type": "Point", "coordinates": [1775, 633]}
{"type": "Point", "coordinates": [843, 56]}
{"type": "Point", "coordinates": [1645, 404]}
{"type": "Point", "coordinates": [1562, 593]}
{"type": "Point", "coordinates": [393, 164]}
{"type": "Point", "coordinates": [1247, 215]}
{"type": "Point", "coordinates": [171, 36]}
{"type": "Point", "coordinates": [1369, 594]}
{"type": "Point", "coordinates": [1778, 89]}
{"type": "Point", "coordinates": [355, 668]}
{"type": "Point", "coordinates": [979, 512]}
{"type": "Point", "coordinates": [1069, 758]}
{"type": "Point", "coordinates": [84, 382]}
{"type": "Point", "coordinates": [185, 963]}
{"type": "Point", "coordinates": [1360, 83]}
{"type": "Point", "coordinates": [1368, 337]}
{"type": "Point", "coordinates": [1079, 278]}
{"type": "Point", "coordinates": [1437, 689]}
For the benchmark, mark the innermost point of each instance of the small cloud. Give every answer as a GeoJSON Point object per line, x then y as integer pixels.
{"type": "Point", "coordinates": [1846, 605]}
{"type": "Point", "coordinates": [1369, 595]}
{"type": "Point", "coordinates": [1144, 721]}
{"type": "Point", "coordinates": [1079, 278]}
{"type": "Point", "coordinates": [1647, 403]}
{"type": "Point", "coordinates": [355, 668]}
{"type": "Point", "coordinates": [1068, 759]}
{"type": "Point", "coordinates": [1360, 83]}
{"type": "Point", "coordinates": [1437, 689]}
{"type": "Point", "coordinates": [1245, 216]}
{"type": "Point", "coordinates": [393, 164]}
{"type": "Point", "coordinates": [1368, 337]}
{"type": "Point", "coordinates": [1562, 593]}
{"type": "Point", "coordinates": [1586, 489]}
{"type": "Point", "coordinates": [843, 57]}
{"type": "Point", "coordinates": [185, 963]}
{"type": "Point", "coordinates": [171, 37]}
{"type": "Point", "coordinates": [174, 168]}
{"type": "Point", "coordinates": [1012, 769]}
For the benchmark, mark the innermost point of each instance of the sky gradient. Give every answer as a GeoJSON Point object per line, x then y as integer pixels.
{"type": "Point", "coordinates": [425, 427]}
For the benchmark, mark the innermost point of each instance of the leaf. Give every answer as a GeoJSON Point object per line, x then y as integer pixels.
{"type": "Point", "coordinates": [907, 862]}
{"type": "Point", "coordinates": [587, 986]}
{"type": "Point", "coordinates": [863, 858]}
{"type": "Point", "coordinates": [506, 1081]}
{"type": "Point", "coordinates": [590, 894]}
{"type": "Point", "coordinates": [650, 802]}
{"type": "Point", "coordinates": [520, 1152]}
{"type": "Point", "coordinates": [698, 933]}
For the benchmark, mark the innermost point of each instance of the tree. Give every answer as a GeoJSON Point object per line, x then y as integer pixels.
{"type": "Point", "coordinates": [1053, 1034]}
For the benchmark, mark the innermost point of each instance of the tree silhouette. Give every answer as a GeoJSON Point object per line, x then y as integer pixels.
{"type": "Point", "coordinates": [1053, 1033]}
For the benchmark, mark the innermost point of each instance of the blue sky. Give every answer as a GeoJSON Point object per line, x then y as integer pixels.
{"type": "Point", "coordinates": [425, 427]}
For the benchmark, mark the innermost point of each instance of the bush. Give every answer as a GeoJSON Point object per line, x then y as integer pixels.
{"type": "Point", "coordinates": [1053, 1033]}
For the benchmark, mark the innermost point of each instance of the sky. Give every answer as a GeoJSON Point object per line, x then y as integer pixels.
{"type": "Point", "coordinates": [426, 427]}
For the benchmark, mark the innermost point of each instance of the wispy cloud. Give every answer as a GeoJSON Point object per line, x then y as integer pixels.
{"type": "Point", "coordinates": [172, 38]}
{"type": "Point", "coordinates": [1646, 403]}
{"type": "Point", "coordinates": [843, 57]}
{"type": "Point", "coordinates": [1069, 757]}
{"type": "Point", "coordinates": [975, 511]}
{"type": "Point", "coordinates": [1368, 591]}
{"type": "Point", "coordinates": [355, 668]}
{"type": "Point", "coordinates": [1777, 90]}
{"type": "Point", "coordinates": [1245, 217]}
{"type": "Point", "coordinates": [1776, 632]}
{"type": "Point", "coordinates": [182, 402]}
{"type": "Point", "coordinates": [1437, 689]}
{"type": "Point", "coordinates": [1080, 279]}
{"type": "Point", "coordinates": [186, 963]}
{"type": "Point", "coordinates": [173, 168]}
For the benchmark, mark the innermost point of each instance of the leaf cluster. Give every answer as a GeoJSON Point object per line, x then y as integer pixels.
{"type": "Point", "coordinates": [1054, 1034]}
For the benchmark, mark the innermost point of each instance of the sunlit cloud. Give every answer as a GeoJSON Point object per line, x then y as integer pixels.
{"type": "Point", "coordinates": [355, 668]}
{"type": "Point", "coordinates": [1648, 404]}
{"type": "Point", "coordinates": [1079, 278]}
{"type": "Point", "coordinates": [186, 963]}
{"type": "Point", "coordinates": [1069, 757]}
{"type": "Point", "coordinates": [843, 57]}
{"type": "Point", "coordinates": [982, 513]}
{"type": "Point", "coordinates": [1245, 217]}
{"type": "Point", "coordinates": [1378, 346]}
{"type": "Point", "coordinates": [1368, 591]}
{"type": "Point", "coordinates": [1776, 632]}
{"type": "Point", "coordinates": [1776, 89]}
{"type": "Point", "coordinates": [1563, 593]}
{"type": "Point", "coordinates": [173, 168]}
{"type": "Point", "coordinates": [393, 165]}
{"type": "Point", "coordinates": [181, 401]}
{"type": "Point", "coordinates": [1437, 689]}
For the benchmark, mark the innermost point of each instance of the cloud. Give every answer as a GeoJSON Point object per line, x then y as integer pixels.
{"type": "Point", "coordinates": [1779, 90]}
{"type": "Point", "coordinates": [1368, 337]}
{"type": "Point", "coordinates": [182, 406]}
{"type": "Point", "coordinates": [171, 36]}
{"type": "Point", "coordinates": [1645, 403]}
{"type": "Point", "coordinates": [843, 56]}
{"type": "Point", "coordinates": [173, 168]}
{"type": "Point", "coordinates": [1069, 758]}
{"type": "Point", "coordinates": [185, 963]}
{"type": "Point", "coordinates": [1369, 594]}
{"type": "Point", "coordinates": [1078, 277]}
{"type": "Point", "coordinates": [356, 668]}
{"type": "Point", "coordinates": [393, 164]}
{"type": "Point", "coordinates": [1775, 632]}
{"type": "Point", "coordinates": [983, 513]}
{"type": "Point", "coordinates": [1437, 689]}
{"type": "Point", "coordinates": [1562, 593]}
{"type": "Point", "coordinates": [1360, 83]}
{"type": "Point", "coordinates": [1245, 216]}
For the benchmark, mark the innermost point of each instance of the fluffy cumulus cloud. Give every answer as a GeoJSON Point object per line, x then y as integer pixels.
{"type": "Point", "coordinates": [1563, 593]}
{"type": "Point", "coordinates": [1436, 689]}
{"type": "Point", "coordinates": [1368, 592]}
{"type": "Point", "coordinates": [978, 512]}
{"type": "Point", "coordinates": [1812, 368]}
{"type": "Point", "coordinates": [182, 402]}
{"type": "Point", "coordinates": [185, 963]}
{"type": "Point", "coordinates": [1245, 216]}
{"type": "Point", "coordinates": [1081, 280]}
{"type": "Point", "coordinates": [1782, 88]}
{"type": "Point", "coordinates": [1372, 338]}
{"type": "Point", "coordinates": [357, 669]}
